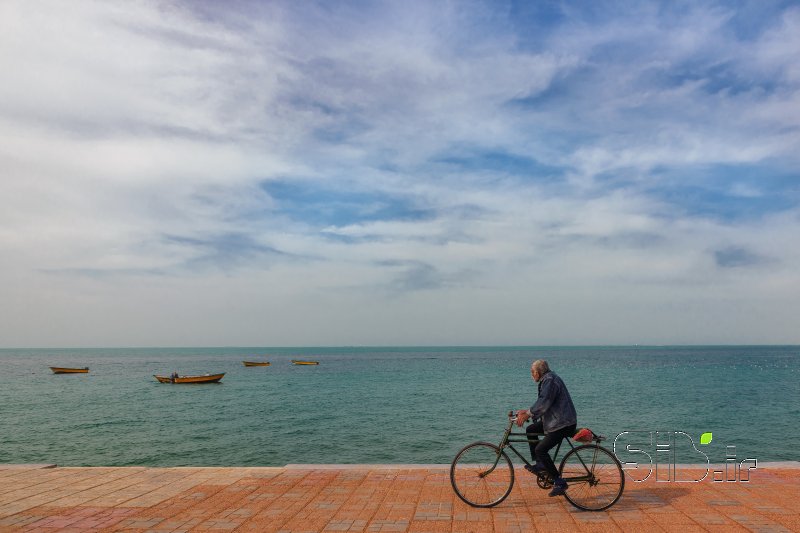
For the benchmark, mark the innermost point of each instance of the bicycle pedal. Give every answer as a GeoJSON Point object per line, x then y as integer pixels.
{"type": "Point", "coordinates": [544, 481]}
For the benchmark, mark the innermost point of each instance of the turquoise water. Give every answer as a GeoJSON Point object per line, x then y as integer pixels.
{"type": "Point", "coordinates": [380, 405]}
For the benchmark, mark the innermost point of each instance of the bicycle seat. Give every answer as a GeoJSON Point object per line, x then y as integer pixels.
{"type": "Point", "coordinates": [587, 435]}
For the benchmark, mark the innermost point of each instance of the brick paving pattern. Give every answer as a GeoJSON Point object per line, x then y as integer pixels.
{"type": "Point", "coordinates": [369, 498]}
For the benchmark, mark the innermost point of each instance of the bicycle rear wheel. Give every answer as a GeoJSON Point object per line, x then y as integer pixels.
{"type": "Point", "coordinates": [482, 474]}
{"type": "Point", "coordinates": [594, 476]}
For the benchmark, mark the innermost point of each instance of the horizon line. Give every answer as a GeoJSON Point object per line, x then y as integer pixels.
{"type": "Point", "coordinates": [361, 346]}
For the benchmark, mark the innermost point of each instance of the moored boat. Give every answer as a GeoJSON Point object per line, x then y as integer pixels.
{"type": "Point", "coordinates": [207, 378]}
{"type": "Point", "coordinates": [66, 370]}
{"type": "Point", "coordinates": [256, 363]}
{"type": "Point", "coordinates": [299, 362]}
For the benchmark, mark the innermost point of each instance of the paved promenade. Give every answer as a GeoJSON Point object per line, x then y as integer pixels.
{"type": "Point", "coordinates": [368, 498]}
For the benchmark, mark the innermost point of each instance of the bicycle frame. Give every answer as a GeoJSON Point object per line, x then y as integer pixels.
{"type": "Point", "coordinates": [510, 437]}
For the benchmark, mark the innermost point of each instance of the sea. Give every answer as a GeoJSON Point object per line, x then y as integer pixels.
{"type": "Point", "coordinates": [399, 405]}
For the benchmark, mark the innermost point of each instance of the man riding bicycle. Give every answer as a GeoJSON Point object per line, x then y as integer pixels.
{"type": "Point", "coordinates": [554, 415]}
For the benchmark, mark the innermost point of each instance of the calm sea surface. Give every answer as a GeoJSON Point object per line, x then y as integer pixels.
{"type": "Point", "coordinates": [383, 405]}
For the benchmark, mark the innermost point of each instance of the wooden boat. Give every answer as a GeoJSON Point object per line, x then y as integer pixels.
{"type": "Point", "coordinates": [64, 370]}
{"type": "Point", "coordinates": [299, 362]}
{"type": "Point", "coordinates": [207, 378]}
{"type": "Point", "coordinates": [256, 363]}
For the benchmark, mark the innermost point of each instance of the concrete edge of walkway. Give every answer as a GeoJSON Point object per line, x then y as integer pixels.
{"type": "Point", "coordinates": [383, 466]}
{"type": "Point", "coordinates": [29, 466]}
{"type": "Point", "coordinates": [774, 464]}
{"type": "Point", "coordinates": [367, 466]}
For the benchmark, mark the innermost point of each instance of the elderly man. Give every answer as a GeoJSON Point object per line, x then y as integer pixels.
{"type": "Point", "coordinates": [554, 415]}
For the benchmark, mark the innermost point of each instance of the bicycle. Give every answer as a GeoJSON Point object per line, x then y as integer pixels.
{"type": "Point", "coordinates": [482, 474]}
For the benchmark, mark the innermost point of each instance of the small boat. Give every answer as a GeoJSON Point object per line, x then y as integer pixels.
{"type": "Point", "coordinates": [256, 363]}
{"type": "Point", "coordinates": [64, 370]}
{"type": "Point", "coordinates": [299, 362]}
{"type": "Point", "coordinates": [207, 378]}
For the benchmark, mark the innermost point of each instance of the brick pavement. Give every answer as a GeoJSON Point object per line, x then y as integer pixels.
{"type": "Point", "coordinates": [369, 498]}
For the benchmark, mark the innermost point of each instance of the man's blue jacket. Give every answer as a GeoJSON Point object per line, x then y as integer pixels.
{"type": "Point", "coordinates": [554, 405]}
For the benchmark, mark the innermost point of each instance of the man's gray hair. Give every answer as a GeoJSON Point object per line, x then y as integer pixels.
{"type": "Point", "coordinates": [541, 366]}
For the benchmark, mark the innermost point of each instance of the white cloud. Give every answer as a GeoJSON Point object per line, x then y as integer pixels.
{"type": "Point", "coordinates": [135, 140]}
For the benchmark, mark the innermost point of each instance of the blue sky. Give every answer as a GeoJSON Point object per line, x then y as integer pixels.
{"type": "Point", "coordinates": [373, 173]}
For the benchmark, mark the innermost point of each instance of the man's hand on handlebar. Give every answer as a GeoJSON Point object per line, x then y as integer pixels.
{"type": "Point", "coordinates": [522, 416]}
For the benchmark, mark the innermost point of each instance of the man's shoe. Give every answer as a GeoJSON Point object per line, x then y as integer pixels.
{"type": "Point", "coordinates": [559, 488]}
{"type": "Point", "coordinates": [535, 469]}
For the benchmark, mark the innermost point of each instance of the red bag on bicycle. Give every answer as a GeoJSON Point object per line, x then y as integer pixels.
{"type": "Point", "coordinates": [583, 435]}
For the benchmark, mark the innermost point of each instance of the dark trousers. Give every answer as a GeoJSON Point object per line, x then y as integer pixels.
{"type": "Point", "coordinates": [540, 447]}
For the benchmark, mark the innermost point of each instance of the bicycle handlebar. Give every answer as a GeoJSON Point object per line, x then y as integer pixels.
{"type": "Point", "coordinates": [513, 414]}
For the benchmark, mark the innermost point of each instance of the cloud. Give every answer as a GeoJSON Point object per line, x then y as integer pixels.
{"type": "Point", "coordinates": [734, 256]}
{"type": "Point", "coordinates": [415, 276]}
{"type": "Point", "coordinates": [226, 252]}
{"type": "Point", "coordinates": [312, 203]}
{"type": "Point", "coordinates": [375, 158]}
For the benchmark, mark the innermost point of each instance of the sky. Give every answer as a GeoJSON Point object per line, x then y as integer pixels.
{"type": "Point", "coordinates": [399, 173]}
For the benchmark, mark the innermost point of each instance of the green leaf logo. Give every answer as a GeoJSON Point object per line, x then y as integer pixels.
{"type": "Point", "coordinates": [705, 438]}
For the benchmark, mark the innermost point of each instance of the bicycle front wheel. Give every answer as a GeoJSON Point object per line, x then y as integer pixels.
{"type": "Point", "coordinates": [482, 474]}
{"type": "Point", "coordinates": [594, 477]}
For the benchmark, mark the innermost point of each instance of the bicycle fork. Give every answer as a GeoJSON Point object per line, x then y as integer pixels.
{"type": "Point", "coordinates": [499, 453]}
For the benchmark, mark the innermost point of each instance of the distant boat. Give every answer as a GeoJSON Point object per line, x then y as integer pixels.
{"type": "Point", "coordinates": [64, 370]}
{"type": "Point", "coordinates": [207, 378]}
{"type": "Point", "coordinates": [299, 362]}
{"type": "Point", "coordinates": [256, 363]}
